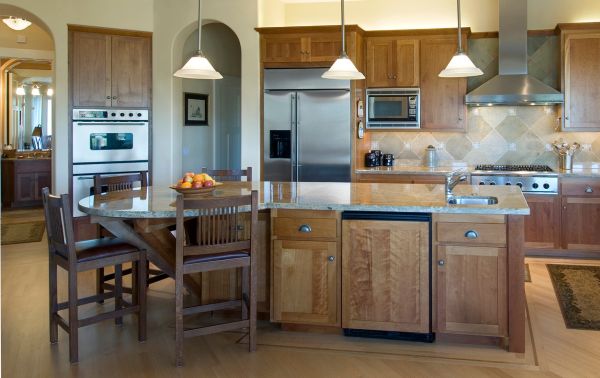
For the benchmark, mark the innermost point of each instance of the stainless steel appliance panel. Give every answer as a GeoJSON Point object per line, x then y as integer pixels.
{"type": "Point", "coordinates": [393, 108]}
{"type": "Point", "coordinates": [300, 79]}
{"type": "Point", "coordinates": [323, 136]}
{"type": "Point", "coordinates": [279, 114]}
{"type": "Point", "coordinates": [90, 138]}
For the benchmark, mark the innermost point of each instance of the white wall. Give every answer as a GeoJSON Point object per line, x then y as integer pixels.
{"type": "Point", "coordinates": [480, 15]}
{"type": "Point", "coordinates": [54, 16]}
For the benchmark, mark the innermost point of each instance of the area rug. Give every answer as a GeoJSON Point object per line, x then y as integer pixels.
{"type": "Point", "coordinates": [26, 232]}
{"type": "Point", "coordinates": [527, 273]}
{"type": "Point", "coordinates": [577, 288]}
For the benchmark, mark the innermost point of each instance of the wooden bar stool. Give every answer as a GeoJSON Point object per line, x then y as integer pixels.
{"type": "Point", "coordinates": [87, 255]}
{"type": "Point", "coordinates": [229, 174]}
{"type": "Point", "coordinates": [218, 247]}
{"type": "Point", "coordinates": [105, 184]}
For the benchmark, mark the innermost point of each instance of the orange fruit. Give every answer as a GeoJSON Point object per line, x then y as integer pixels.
{"type": "Point", "coordinates": [198, 178]}
{"type": "Point", "coordinates": [186, 185]}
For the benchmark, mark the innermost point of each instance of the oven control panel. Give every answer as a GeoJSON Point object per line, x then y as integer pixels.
{"type": "Point", "coordinates": [528, 184]}
{"type": "Point", "coordinates": [110, 115]}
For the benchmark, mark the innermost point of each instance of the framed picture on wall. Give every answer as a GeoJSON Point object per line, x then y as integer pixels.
{"type": "Point", "coordinates": [195, 109]}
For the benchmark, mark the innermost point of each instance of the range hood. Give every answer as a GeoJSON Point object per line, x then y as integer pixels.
{"type": "Point", "coordinates": [513, 86]}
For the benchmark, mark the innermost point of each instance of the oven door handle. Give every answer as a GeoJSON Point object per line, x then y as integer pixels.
{"type": "Point", "coordinates": [112, 124]}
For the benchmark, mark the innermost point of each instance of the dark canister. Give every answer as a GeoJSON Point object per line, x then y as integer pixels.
{"type": "Point", "coordinates": [371, 159]}
{"type": "Point", "coordinates": [387, 160]}
{"type": "Point", "coordinates": [378, 156]}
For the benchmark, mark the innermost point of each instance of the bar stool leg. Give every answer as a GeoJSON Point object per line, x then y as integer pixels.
{"type": "Point", "coordinates": [100, 283]}
{"type": "Point", "coordinates": [245, 292]}
{"type": "Point", "coordinates": [52, 275]}
{"type": "Point", "coordinates": [73, 318]}
{"type": "Point", "coordinates": [252, 331]}
{"type": "Point", "coordinates": [118, 292]}
{"type": "Point", "coordinates": [178, 318]}
{"type": "Point", "coordinates": [141, 292]}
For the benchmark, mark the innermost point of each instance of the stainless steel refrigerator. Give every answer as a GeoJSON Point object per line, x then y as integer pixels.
{"type": "Point", "coordinates": [307, 131]}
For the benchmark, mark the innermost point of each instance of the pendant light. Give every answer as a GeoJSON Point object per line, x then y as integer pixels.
{"type": "Point", "coordinates": [16, 23]}
{"type": "Point", "coordinates": [343, 68]}
{"type": "Point", "coordinates": [50, 92]}
{"type": "Point", "coordinates": [460, 65]}
{"type": "Point", "coordinates": [20, 91]}
{"type": "Point", "coordinates": [35, 91]}
{"type": "Point", "coordinates": [198, 67]}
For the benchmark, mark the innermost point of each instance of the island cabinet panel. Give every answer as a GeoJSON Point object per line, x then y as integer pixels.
{"type": "Point", "coordinates": [472, 290]}
{"type": "Point", "coordinates": [581, 214]}
{"type": "Point", "coordinates": [581, 80]}
{"type": "Point", "coordinates": [305, 282]}
{"type": "Point", "coordinates": [392, 62]}
{"type": "Point", "coordinates": [385, 275]}
{"type": "Point", "coordinates": [542, 226]}
{"type": "Point", "coordinates": [442, 99]}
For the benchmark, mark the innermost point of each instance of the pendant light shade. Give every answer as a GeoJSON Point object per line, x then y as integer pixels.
{"type": "Point", "coordinates": [343, 68]}
{"type": "Point", "coordinates": [460, 65]}
{"type": "Point", "coordinates": [50, 92]}
{"type": "Point", "coordinates": [20, 91]}
{"type": "Point", "coordinates": [35, 91]}
{"type": "Point", "coordinates": [16, 23]}
{"type": "Point", "coordinates": [198, 67]}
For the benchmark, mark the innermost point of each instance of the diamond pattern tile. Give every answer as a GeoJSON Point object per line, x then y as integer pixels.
{"type": "Point", "coordinates": [477, 128]}
{"type": "Point", "coordinates": [459, 147]}
{"type": "Point", "coordinates": [511, 128]}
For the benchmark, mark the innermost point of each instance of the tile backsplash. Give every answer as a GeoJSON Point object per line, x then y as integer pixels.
{"type": "Point", "coordinates": [495, 135]}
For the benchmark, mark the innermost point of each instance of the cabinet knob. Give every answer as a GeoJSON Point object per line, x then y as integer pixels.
{"type": "Point", "coordinates": [589, 189]}
{"type": "Point", "coordinates": [331, 258]}
{"type": "Point", "coordinates": [108, 97]}
{"type": "Point", "coordinates": [471, 234]}
{"type": "Point", "coordinates": [305, 228]}
{"type": "Point", "coordinates": [114, 97]}
{"type": "Point", "coordinates": [395, 77]}
{"type": "Point", "coordinates": [441, 262]}
{"type": "Point", "coordinates": [566, 118]}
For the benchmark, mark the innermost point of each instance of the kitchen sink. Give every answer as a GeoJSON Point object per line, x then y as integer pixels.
{"type": "Point", "coordinates": [472, 200]}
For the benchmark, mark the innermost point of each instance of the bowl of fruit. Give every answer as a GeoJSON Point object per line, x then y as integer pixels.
{"type": "Point", "coordinates": [196, 183]}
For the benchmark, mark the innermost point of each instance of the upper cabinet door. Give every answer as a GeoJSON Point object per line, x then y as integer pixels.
{"type": "Point", "coordinates": [442, 99]}
{"type": "Point", "coordinates": [91, 70]}
{"type": "Point", "coordinates": [380, 62]}
{"type": "Point", "coordinates": [324, 48]}
{"type": "Point", "coordinates": [131, 62]}
{"type": "Point", "coordinates": [283, 49]}
{"type": "Point", "coordinates": [406, 73]}
{"type": "Point", "coordinates": [581, 85]}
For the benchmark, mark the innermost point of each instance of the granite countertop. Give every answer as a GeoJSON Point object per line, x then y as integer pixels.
{"type": "Point", "coordinates": [159, 202]}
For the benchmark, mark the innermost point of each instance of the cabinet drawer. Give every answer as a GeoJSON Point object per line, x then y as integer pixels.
{"type": "Point", "coordinates": [304, 228]}
{"type": "Point", "coordinates": [581, 188]}
{"type": "Point", "coordinates": [471, 233]}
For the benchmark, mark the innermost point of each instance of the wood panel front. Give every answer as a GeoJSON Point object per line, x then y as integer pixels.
{"type": "Point", "coordinates": [282, 49]}
{"type": "Point", "coordinates": [385, 275]}
{"type": "Point", "coordinates": [542, 226]}
{"type": "Point", "coordinates": [406, 63]}
{"type": "Point", "coordinates": [91, 69]}
{"type": "Point", "coordinates": [131, 72]}
{"type": "Point", "coordinates": [458, 233]}
{"type": "Point", "coordinates": [442, 99]}
{"type": "Point", "coordinates": [581, 223]}
{"type": "Point", "coordinates": [324, 47]}
{"type": "Point", "coordinates": [583, 187]}
{"type": "Point", "coordinates": [400, 178]}
{"type": "Point", "coordinates": [285, 228]}
{"type": "Point", "coordinates": [380, 62]}
{"type": "Point", "coordinates": [304, 282]}
{"type": "Point", "coordinates": [472, 290]}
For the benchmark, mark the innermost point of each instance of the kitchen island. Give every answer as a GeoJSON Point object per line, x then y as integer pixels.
{"type": "Point", "coordinates": [455, 271]}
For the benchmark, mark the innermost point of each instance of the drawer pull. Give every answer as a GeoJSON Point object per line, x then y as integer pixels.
{"type": "Point", "coordinates": [471, 234]}
{"type": "Point", "coordinates": [589, 189]}
{"type": "Point", "coordinates": [441, 262]}
{"type": "Point", "coordinates": [331, 258]}
{"type": "Point", "coordinates": [305, 228]}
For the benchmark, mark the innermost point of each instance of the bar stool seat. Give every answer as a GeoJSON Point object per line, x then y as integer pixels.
{"type": "Point", "coordinates": [89, 250]}
{"type": "Point", "coordinates": [194, 259]}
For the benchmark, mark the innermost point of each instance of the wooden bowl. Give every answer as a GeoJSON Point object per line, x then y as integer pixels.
{"type": "Point", "coordinates": [196, 191]}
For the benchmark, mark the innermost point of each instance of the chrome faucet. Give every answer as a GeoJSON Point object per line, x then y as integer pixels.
{"type": "Point", "coordinates": [453, 178]}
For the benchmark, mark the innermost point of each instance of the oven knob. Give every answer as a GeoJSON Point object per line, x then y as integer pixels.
{"type": "Point", "coordinates": [113, 114]}
{"type": "Point", "coordinates": [520, 185]}
{"type": "Point", "coordinates": [481, 183]}
{"type": "Point", "coordinates": [131, 114]}
{"type": "Point", "coordinates": [546, 186]}
{"type": "Point", "coordinates": [508, 183]}
{"type": "Point", "coordinates": [139, 114]}
{"type": "Point", "coordinates": [492, 183]}
{"type": "Point", "coordinates": [535, 185]}
{"type": "Point", "coordinates": [122, 114]}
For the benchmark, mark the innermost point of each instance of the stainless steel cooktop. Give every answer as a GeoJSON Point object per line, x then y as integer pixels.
{"type": "Point", "coordinates": [539, 179]}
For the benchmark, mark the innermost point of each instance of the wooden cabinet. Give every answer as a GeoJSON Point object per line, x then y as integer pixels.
{"type": "Point", "coordinates": [304, 267]}
{"type": "Point", "coordinates": [471, 266]}
{"type": "Point", "coordinates": [300, 47]}
{"type": "Point", "coordinates": [23, 180]}
{"type": "Point", "coordinates": [385, 275]}
{"type": "Point", "coordinates": [110, 70]}
{"type": "Point", "coordinates": [442, 99]}
{"type": "Point", "coordinates": [543, 225]}
{"type": "Point", "coordinates": [392, 62]}
{"type": "Point", "coordinates": [581, 79]}
{"type": "Point", "coordinates": [400, 178]}
{"type": "Point", "coordinates": [581, 214]}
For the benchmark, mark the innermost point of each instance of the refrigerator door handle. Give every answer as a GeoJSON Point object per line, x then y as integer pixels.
{"type": "Point", "coordinates": [293, 130]}
{"type": "Point", "coordinates": [296, 138]}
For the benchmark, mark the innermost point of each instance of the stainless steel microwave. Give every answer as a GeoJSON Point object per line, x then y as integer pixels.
{"type": "Point", "coordinates": [393, 108]}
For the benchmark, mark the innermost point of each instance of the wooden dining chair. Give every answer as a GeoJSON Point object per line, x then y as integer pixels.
{"type": "Point", "coordinates": [229, 174]}
{"type": "Point", "coordinates": [105, 184]}
{"type": "Point", "coordinates": [77, 257]}
{"type": "Point", "coordinates": [218, 246]}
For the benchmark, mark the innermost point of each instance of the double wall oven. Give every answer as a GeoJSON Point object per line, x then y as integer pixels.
{"type": "Point", "coordinates": [107, 141]}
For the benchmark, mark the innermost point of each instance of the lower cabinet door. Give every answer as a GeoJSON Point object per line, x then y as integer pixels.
{"type": "Point", "coordinates": [385, 275]}
{"type": "Point", "coordinates": [542, 226]}
{"type": "Point", "coordinates": [43, 180]}
{"type": "Point", "coordinates": [581, 223]}
{"type": "Point", "coordinates": [305, 282]}
{"type": "Point", "coordinates": [471, 297]}
{"type": "Point", "coordinates": [26, 187]}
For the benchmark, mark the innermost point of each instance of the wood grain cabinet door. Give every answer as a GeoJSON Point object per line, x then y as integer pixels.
{"type": "Point", "coordinates": [385, 275]}
{"type": "Point", "coordinates": [471, 295]}
{"type": "Point", "coordinates": [25, 187]}
{"type": "Point", "coordinates": [305, 282]}
{"type": "Point", "coordinates": [406, 63]}
{"type": "Point", "coordinates": [283, 49]}
{"type": "Point", "coordinates": [581, 223]}
{"type": "Point", "coordinates": [380, 62]}
{"type": "Point", "coordinates": [581, 74]}
{"type": "Point", "coordinates": [324, 48]}
{"type": "Point", "coordinates": [131, 76]}
{"type": "Point", "coordinates": [91, 69]}
{"type": "Point", "coordinates": [542, 226]}
{"type": "Point", "coordinates": [442, 99]}
{"type": "Point", "coordinates": [42, 180]}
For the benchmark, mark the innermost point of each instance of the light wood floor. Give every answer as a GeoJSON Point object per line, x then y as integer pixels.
{"type": "Point", "coordinates": [107, 350]}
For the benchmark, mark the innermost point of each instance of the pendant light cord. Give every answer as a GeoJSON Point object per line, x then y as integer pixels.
{"type": "Point", "coordinates": [200, 27]}
{"type": "Point", "coordinates": [343, 31]}
{"type": "Point", "coordinates": [460, 50]}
